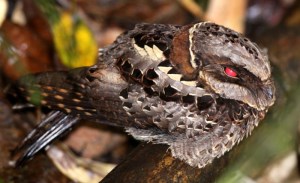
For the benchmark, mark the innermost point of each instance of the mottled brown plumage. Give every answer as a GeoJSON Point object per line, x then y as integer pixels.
{"type": "Point", "coordinates": [199, 88]}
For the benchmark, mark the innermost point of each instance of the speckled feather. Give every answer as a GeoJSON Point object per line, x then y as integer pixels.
{"type": "Point", "coordinates": [165, 84]}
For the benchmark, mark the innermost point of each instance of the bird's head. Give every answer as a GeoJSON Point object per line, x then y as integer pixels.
{"type": "Point", "coordinates": [227, 63]}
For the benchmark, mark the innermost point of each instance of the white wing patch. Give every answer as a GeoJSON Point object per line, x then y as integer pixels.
{"type": "Point", "coordinates": [159, 54]}
{"type": "Point", "coordinates": [175, 77]}
{"type": "Point", "coordinates": [165, 69]}
{"type": "Point", "coordinates": [189, 83]}
{"type": "Point", "coordinates": [154, 53]}
{"type": "Point", "coordinates": [140, 50]}
{"type": "Point", "coordinates": [150, 52]}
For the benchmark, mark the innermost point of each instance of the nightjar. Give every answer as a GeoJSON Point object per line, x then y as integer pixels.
{"type": "Point", "coordinates": [199, 88]}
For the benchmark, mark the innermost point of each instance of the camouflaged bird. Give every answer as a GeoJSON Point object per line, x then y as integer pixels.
{"type": "Point", "coordinates": [199, 88]}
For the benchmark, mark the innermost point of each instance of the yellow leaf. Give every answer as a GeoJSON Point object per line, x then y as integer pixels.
{"type": "Point", "coordinates": [74, 42]}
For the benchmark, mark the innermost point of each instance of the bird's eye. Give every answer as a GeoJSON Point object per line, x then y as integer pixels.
{"type": "Point", "coordinates": [230, 72]}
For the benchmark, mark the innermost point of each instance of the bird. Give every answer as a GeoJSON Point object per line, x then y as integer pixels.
{"type": "Point", "coordinates": [199, 88]}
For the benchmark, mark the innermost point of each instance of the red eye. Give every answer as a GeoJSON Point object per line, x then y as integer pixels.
{"type": "Point", "coordinates": [230, 72]}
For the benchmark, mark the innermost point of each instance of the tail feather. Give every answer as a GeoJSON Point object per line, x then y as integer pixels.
{"type": "Point", "coordinates": [72, 95]}
{"type": "Point", "coordinates": [52, 127]}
